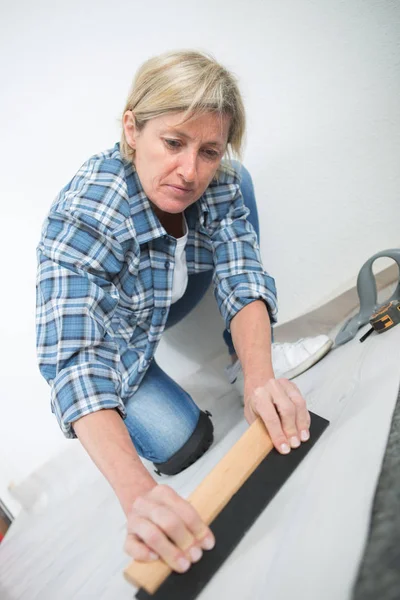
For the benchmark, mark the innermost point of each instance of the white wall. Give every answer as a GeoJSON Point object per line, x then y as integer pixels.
{"type": "Point", "coordinates": [321, 86]}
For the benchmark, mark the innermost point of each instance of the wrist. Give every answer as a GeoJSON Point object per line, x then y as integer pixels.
{"type": "Point", "coordinates": [127, 494]}
{"type": "Point", "coordinates": [254, 381]}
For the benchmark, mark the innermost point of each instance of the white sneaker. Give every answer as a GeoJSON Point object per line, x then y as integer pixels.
{"type": "Point", "coordinates": [288, 360]}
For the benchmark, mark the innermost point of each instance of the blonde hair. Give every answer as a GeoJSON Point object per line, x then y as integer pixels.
{"type": "Point", "coordinates": [186, 81]}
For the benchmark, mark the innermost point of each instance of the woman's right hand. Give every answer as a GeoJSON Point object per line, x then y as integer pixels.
{"type": "Point", "coordinates": [161, 524]}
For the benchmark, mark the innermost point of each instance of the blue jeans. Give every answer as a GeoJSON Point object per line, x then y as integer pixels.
{"type": "Point", "coordinates": [161, 416]}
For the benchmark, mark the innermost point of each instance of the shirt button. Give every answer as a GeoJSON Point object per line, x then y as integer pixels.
{"type": "Point", "coordinates": [167, 264]}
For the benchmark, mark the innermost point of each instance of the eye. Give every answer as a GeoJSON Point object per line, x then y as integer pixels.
{"type": "Point", "coordinates": [211, 154]}
{"type": "Point", "coordinates": [172, 143]}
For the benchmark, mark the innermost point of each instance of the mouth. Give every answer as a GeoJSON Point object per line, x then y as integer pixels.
{"type": "Point", "coordinates": [180, 189]}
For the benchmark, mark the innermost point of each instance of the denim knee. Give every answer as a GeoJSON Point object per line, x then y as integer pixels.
{"type": "Point", "coordinates": [198, 443]}
{"type": "Point", "coordinates": [165, 424]}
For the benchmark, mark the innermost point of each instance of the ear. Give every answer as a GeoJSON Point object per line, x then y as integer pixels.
{"type": "Point", "coordinates": [129, 125]}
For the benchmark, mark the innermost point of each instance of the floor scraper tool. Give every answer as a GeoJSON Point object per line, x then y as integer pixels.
{"type": "Point", "coordinates": [231, 497]}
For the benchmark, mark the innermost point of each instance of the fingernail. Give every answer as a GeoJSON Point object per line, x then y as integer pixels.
{"type": "Point", "coordinates": [153, 556]}
{"type": "Point", "coordinates": [195, 554]}
{"type": "Point", "coordinates": [183, 564]}
{"type": "Point", "coordinates": [294, 442]}
{"type": "Point", "coordinates": [285, 449]}
{"type": "Point", "coordinates": [304, 435]}
{"type": "Point", "coordinates": [208, 543]}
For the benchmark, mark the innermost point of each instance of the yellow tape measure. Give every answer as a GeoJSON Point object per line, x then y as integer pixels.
{"type": "Point", "coordinates": [384, 318]}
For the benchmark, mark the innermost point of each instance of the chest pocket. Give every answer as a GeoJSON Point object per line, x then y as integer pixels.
{"type": "Point", "coordinates": [125, 321]}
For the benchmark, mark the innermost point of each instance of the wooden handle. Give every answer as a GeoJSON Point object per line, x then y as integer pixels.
{"type": "Point", "coordinates": [211, 496]}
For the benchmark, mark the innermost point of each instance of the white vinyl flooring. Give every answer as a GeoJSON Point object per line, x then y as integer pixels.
{"type": "Point", "coordinates": [308, 542]}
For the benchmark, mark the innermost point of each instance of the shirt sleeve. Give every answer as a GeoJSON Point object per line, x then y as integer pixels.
{"type": "Point", "coordinates": [239, 277]}
{"type": "Point", "coordinates": [78, 261]}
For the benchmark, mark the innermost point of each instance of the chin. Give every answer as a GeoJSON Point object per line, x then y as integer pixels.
{"type": "Point", "coordinates": [171, 205]}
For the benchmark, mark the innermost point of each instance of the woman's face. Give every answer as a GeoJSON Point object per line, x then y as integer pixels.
{"type": "Point", "coordinates": [175, 163]}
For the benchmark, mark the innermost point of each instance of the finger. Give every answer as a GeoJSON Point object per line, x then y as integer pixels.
{"type": "Point", "coordinates": [303, 418]}
{"type": "Point", "coordinates": [168, 521]}
{"type": "Point", "coordinates": [138, 550]}
{"type": "Point", "coordinates": [201, 534]}
{"type": "Point", "coordinates": [267, 412]}
{"type": "Point", "coordinates": [151, 535]}
{"type": "Point", "coordinates": [286, 410]}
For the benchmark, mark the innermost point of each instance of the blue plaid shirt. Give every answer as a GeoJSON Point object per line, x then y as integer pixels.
{"type": "Point", "coordinates": [105, 274]}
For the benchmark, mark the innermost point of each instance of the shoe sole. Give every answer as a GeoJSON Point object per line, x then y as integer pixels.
{"type": "Point", "coordinates": [314, 358]}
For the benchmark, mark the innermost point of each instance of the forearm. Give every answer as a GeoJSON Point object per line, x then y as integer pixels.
{"type": "Point", "coordinates": [251, 335]}
{"type": "Point", "coordinates": [106, 439]}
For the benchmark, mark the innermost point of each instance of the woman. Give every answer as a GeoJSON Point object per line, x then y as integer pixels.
{"type": "Point", "coordinates": [129, 247]}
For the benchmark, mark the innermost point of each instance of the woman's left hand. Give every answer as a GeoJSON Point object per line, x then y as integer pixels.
{"type": "Point", "coordinates": [283, 410]}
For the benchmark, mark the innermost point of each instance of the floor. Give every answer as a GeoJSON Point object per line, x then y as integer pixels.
{"type": "Point", "coordinates": [309, 540]}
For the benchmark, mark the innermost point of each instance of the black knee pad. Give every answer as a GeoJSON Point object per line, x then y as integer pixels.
{"type": "Point", "coordinates": [198, 443]}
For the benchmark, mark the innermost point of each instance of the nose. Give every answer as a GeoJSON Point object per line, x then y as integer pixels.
{"type": "Point", "coordinates": [187, 167]}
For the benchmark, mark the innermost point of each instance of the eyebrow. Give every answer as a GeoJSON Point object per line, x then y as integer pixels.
{"type": "Point", "coordinates": [185, 135]}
